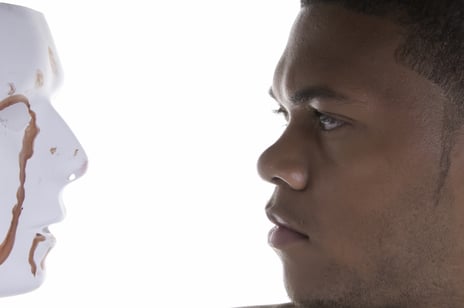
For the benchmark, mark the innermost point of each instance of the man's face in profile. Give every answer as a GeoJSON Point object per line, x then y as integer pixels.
{"type": "Point", "coordinates": [367, 175]}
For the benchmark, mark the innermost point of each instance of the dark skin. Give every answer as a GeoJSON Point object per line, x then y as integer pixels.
{"type": "Point", "coordinates": [366, 169]}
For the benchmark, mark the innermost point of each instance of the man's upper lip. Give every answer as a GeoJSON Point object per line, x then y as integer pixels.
{"type": "Point", "coordinates": [281, 222]}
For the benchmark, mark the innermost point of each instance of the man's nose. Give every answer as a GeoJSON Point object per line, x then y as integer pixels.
{"type": "Point", "coordinates": [286, 161]}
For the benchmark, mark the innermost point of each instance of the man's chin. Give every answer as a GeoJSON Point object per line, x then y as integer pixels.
{"type": "Point", "coordinates": [322, 304]}
{"type": "Point", "coordinates": [310, 286]}
{"type": "Point", "coordinates": [318, 293]}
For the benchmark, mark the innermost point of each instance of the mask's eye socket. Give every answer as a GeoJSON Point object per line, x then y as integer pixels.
{"type": "Point", "coordinates": [327, 122]}
{"type": "Point", "coordinates": [14, 117]}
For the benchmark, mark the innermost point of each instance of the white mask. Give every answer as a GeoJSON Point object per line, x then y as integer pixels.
{"type": "Point", "coordinates": [39, 154]}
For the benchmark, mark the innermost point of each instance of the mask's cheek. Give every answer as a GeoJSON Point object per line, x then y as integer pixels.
{"type": "Point", "coordinates": [10, 147]}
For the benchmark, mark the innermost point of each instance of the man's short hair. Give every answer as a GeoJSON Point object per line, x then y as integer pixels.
{"type": "Point", "coordinates": [434, 38]}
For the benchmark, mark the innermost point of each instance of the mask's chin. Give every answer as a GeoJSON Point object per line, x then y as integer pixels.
{"type": "Point", "coordinates": [17, 272]}
{"type": "Point", "coordinates": [19, 287]}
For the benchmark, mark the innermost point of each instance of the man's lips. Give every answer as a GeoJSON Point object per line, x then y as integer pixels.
{"type": "Point", "coordinates": [279, 237]}
{"type": "Point", "coordinates": [283, 234]}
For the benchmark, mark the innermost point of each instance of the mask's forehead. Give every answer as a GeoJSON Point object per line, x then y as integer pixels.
{"type": "Point", "coordinates": [28, 59]}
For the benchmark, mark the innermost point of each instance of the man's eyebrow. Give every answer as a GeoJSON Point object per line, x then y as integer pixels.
{"type": "Point", "coordinates": [309, 93]}
{"type": "Point", "coordinates": [304, 3]}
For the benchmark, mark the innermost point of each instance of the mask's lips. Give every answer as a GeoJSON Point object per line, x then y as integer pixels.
{"type": "Point", "coordinates": [46, 233]}
{"type": "Point", "coordinates": [46, 237]}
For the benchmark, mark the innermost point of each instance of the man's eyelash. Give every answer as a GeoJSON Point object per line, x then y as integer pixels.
{"type": "Point", "coordinates": [283, 111]}
{"type": "Point", "coordinates": [280, 110]}
{"type": "Point", "coordinates": [334, 121]}
{"type": "Point", "coordinates": [317, 115]}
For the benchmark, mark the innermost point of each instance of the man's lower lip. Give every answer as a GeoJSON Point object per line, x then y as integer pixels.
{"type": "Point", "coordinates": [279, 237]}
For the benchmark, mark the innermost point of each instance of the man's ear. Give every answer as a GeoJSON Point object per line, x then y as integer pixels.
{"type": "Point", "coordinates": [454, 184]}
{"type": "Point", "coordinates": [457, 146]}
{"type": "Point", "coordinates": [456, 166]}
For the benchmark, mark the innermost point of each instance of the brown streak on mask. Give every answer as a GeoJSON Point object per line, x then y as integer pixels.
{"type": "Point", "coordinates": [37, 239]}
{"type": "Point", "coordinates": [39, 79]}
{"type": "Point", "coordinates": [51, 57]}
{"type": "Point", "coordinates": [12, 88]}
{"type": "Point", "coordinates": [42, 263]}
{"type": "Point", "coordinates": [26, 153]}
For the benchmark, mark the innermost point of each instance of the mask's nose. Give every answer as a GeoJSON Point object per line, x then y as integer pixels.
{"type": "Point", "coordinates": [62, 157]}
{"type": "Point", "coordinates": [79, 172]}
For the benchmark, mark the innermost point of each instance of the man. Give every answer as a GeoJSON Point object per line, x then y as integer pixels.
{"type": "Point", "coordinates": [369, 172]}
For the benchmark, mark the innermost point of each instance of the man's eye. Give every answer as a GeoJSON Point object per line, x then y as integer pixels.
{"type": "Point", "coordinates": [328, 123]}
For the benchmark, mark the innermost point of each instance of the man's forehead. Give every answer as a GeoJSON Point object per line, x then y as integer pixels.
{"type": "Point", "coordinates": [329, 21]}
{"type": "Point", "coordinates": [352, 53]}
{"type": "Point", "coordinates": [330, 36]}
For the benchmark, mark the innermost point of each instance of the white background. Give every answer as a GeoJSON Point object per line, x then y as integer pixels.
{"type": "Point", "coordinates": [169, 99]}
